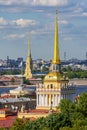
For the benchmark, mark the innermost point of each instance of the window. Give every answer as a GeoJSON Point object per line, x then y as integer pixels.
{"type": "Point", "coordinates": [51, 86]}
{"type": "Point", "coordinates": [48, 86]}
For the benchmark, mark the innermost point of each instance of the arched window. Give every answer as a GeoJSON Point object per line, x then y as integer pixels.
{"type": "Point", "coordinates": [47, 86]}
{"type": "Point", "coordinates": [51, 86]}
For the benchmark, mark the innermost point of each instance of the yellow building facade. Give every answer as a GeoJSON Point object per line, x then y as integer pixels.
{"type": "Point", "coordinates": [56, 86]}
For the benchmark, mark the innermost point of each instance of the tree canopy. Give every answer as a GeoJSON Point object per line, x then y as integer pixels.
{"type": "Point", "coordinates": [72, 116]}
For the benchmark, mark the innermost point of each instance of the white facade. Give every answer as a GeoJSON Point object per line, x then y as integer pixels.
{"type": "Point", "coordinates": [47, 98]}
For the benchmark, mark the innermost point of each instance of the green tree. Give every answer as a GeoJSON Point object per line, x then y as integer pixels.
{"type": "Point", "coordinates": [67, 106]}
{"type": "Point", "coordinates": [55, 121]}
{"type": "Point", "coordinates": [82, 103]}
{"type": "Point", "coordinates": [2, 129]}
{"type": "Point", "coordinates": [74, 128]}
{"type": "Point", "coordinates": [26, 81]}
{"type": "Point", "coordinates": [38, 124]}
{"type": "Point", "coordinates": [18, 125]}
{"type": "Point", "coordinates": [75, 117]}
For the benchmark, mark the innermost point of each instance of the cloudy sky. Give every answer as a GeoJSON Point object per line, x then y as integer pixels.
{"type": "Point", "coordinates": [19, 17]}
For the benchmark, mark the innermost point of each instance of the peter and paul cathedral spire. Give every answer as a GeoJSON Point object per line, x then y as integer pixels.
{"type": "Point", "coordinates": [28, 68]}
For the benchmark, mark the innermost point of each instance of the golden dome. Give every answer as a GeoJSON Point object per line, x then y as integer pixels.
{"type": "Point", "coordinates": [52, 76]}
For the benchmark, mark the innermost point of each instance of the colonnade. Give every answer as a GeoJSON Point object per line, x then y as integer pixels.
{"type": "Point", "coordinates": [46, 99]}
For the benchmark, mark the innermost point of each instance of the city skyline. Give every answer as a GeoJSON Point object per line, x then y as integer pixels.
{"type": "Point", "coordinates": [18, 18]}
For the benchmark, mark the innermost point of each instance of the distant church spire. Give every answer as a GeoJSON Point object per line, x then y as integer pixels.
{"type": "Point", "coordinates": [28, 68]}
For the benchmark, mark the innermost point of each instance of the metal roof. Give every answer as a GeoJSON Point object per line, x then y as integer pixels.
{"type": "Point", "coordinates": [10, 100]}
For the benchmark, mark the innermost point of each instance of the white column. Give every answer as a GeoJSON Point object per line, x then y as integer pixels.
{"type": "Point", "coordinates": [59, 97]}
{"type": "Point", "coordinates": [46, 100]}
{"type": "Point", "coordinates": [40, 100]}
{"type": "Point", "coordinates": [37, 99]}
{"type": "Point", "coordinates": [43, 100]}
{"type": "Point", "coordinates": [53, 101]}
{"type": "Point", "coordinates": [56, 100]}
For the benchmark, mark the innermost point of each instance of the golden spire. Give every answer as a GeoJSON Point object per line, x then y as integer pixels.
{"type": "Point", "coordinates": [28, 73]}
{"type": "Point", "coordinates": [56, 55]}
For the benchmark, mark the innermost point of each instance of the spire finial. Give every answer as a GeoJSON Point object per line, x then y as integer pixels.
{"type": "Point", "coordinates": [57, 7]}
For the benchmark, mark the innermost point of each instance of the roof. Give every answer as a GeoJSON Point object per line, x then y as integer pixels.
{"type": "Point", "coordinates": [38, 111]}
{"type": "Point", "coordinates": [9, 100]}
{"type": "Point", "coordinates": [7, 122]}
{"type": "Point", "coordinates": [5, 109]}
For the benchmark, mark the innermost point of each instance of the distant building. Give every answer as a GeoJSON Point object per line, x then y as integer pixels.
{"type": "Point", "coordinates": [15, 104]}
{"type": "Point", "coordinates": [5, 112]}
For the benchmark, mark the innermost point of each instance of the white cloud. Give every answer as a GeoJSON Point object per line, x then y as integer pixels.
{"type": "Point", "coordinates": [10, 2]}
{"type": "Point", "coordinates": [24, 22]}
{"type": "Point", "coordinates": [34, 2]}
{"type": "Point", "coordinates": [3, 21]}
{"type": "Point", "coordinates": [64, 22]}
{"type": "Point", "coordinates": [14, 36]}
{"type": "Point", "coordinates": [84, 14]}
{"type": "Point", "coordinates": [1, 27]}
{"type": "Point", "coordinates": [18, 22]}
{"type": "Point", "coordinates": [68, 38]}
{"type": "Point", "coordinates": [33, 32]}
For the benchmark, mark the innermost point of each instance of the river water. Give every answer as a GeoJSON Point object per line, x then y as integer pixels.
{"type": "Point", "coordinates": [79, 89]}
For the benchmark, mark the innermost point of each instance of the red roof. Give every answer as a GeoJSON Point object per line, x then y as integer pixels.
{"type": "Point", "coordinates": [38, 111]}
{"type": "Point", "coordinates": [5, 109]}
{"type": "Point", "coordinates": [7, 122]}
{"type": "Point", "coordinates": [6, 96]}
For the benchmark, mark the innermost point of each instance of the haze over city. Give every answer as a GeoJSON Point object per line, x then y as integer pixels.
{"type": "Point", "coordinates": [18, 18]}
